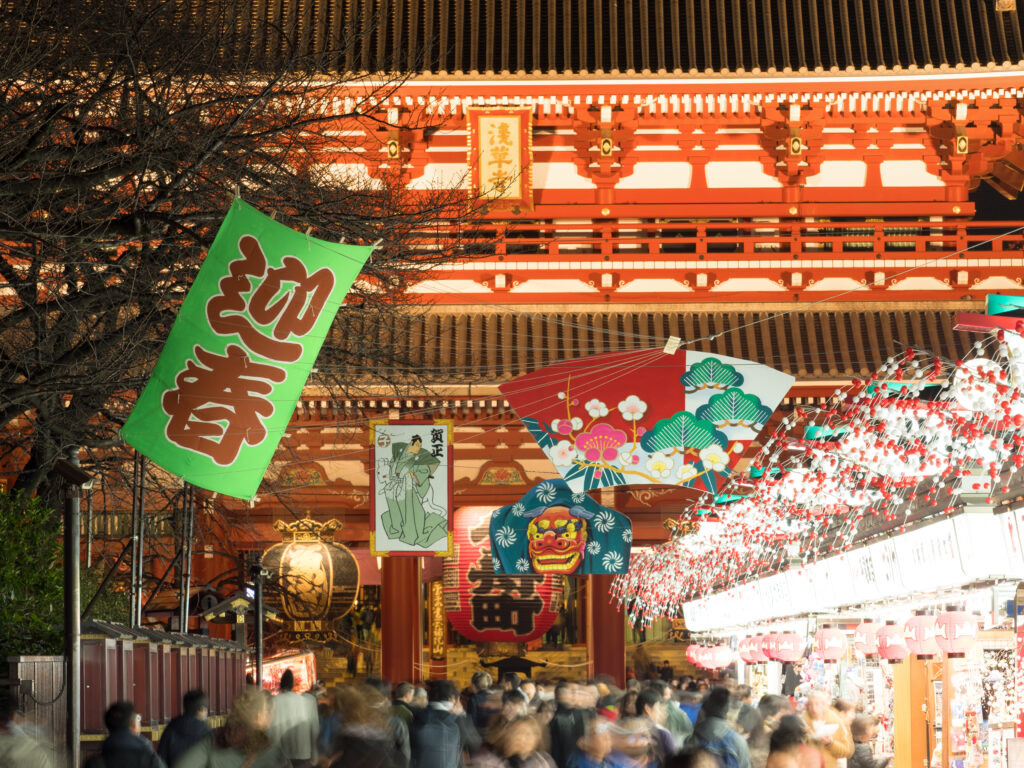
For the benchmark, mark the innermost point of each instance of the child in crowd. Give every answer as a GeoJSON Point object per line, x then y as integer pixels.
{"type": "Point", "coordinates": [864, 729]}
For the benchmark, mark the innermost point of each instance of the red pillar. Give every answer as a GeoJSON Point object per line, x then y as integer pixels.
{"type": "Point", "coordinates": [400, 629]}
{"type": "Point", "coordinates": [606, 631]}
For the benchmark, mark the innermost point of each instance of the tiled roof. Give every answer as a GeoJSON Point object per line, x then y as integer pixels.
{"type": "Point", "coordinates": [490, 346]}
{"type": "Point", "coordinates": [623, 36]}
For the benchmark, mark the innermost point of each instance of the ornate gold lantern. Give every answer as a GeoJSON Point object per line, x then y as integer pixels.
{"type": "Point", "coordinates": [312, 580]}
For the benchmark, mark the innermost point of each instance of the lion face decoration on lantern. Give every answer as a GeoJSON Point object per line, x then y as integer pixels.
{"type": "Point", "coordinates": [553, 530]}
{"type": "Point", "coordinates": [558, 539]}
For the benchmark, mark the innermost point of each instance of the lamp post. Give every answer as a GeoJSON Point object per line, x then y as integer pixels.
{"type": "Point", "coordinates": [75, 480]}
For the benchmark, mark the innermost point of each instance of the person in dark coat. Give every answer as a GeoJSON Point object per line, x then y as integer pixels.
{"type": "Point", "coordinates": [436, 736]}
{"type": "Point", "coordinates": [188, 728]}
{"type": "Point", "coordinates": [567, 726]}
{"type": "Point", "coordinates": [124, 747]}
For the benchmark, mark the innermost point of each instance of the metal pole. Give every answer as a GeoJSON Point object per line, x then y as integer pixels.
{"type": "Point", "coordinates": [72, 615]}
{"type": "Point", "coordinates": [187, 525]}
{"type": "Point", "coordinates": [135, 544]}
{"type": "Point", "coordinates": [88, 530]}
{"type": "Point", "coordinates": [142, 538]}
{"type": "Point", "coordinates": [258, 601]}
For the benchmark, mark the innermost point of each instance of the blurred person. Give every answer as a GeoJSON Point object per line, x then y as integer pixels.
{"type": "Point", "coordinates": [788, 745]}
{"type": "Point", "coordinates": [419, 699]}
{"type": "Point", "coordinates": [770, 710]}
{"type": "Point", "coordinates": [124, 747]}
{"type": "Point", "coordinates": [826, 730]}
{"type": "Point", "coordinates": [846, 709]}
{"type": "Point", "coordinates": [651, 707]}
{"type": "Point", "coordinates": [242, 740]}
{"type": "Point", "coordinates": [588, 693]}
{"type": "Point", "coordinates": [594, 746]}
{"type": "Point", "coordinates": [690, 703]}
{"type": "Point", "coordinates": [746, 715]}
{"type": "Point", "coordinates": [296, 723]}
{"type": "Point", "coordinates": [17, 749]}
{"type": "Point", "coordinates": [510, 681]}
{"type": "Point", "coordinates": [676, 721]}
{"type": "Point", "coordinates": [531, 692]}
{"type": "Point", "coordinates": [713, 732]}
{"type": "Point", "coordinates": [632, 745]}
{"type": "Point", "coordinates": [627, 705]}
{"type": "Point", "coordinates": [566, 727]}
{"type": "Point", "coordinates": [379, 695]}
{"type": "Point", "coordinates": [864, 729]}
{"type": "Point", "coordinates": [437, 738]}
{"type": "Point", "coordinates": [187, 729]}
{"type": "Point", "coordinates": [665, 671]}
{"type": "Point", "coordinates": [478, 704]}
{"type": "Point", "coordinates": [691, 758]}
{"type": "Point", "coordinates": [513, 706]}
{"type": "Point", "coordinates": [546, 712]}
{"type": "Point", "coordinates": [364, 738]}
{"type": "Point", "coordinates": [402, 702]}
{"type": "Point", "coordinates": [516, 745]}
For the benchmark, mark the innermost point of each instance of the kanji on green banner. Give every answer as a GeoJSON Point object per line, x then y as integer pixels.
{"type": "Point", "coordinates": [240, 351]}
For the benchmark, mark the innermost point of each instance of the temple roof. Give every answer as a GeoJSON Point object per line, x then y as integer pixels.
{"type": "Point", "coordinates": [823, 343]}
{"type": "Point", "coordinates": [580, 37]}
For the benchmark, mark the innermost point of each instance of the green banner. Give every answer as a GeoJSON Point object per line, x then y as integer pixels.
{"type": "Point", "coordinates": [240, 351]}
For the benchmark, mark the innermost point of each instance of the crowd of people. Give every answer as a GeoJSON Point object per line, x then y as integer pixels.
{"type": "Point", "coordinates": [514, 723]}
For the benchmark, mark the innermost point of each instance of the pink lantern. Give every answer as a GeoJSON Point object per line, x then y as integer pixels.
{"type": "Point", "coordinates": [691, 653]}
{"type": "Point", "coordinates": [892, 645]}
{"type": "Point", "coordinates": [865, 638]}
{"type": "Point", "coordinates": [830, 643]}
{"type": "Point", "coordinates": [704, 657]}
{"type": "Point", "coordinates": [750, 650]}
{"type": "Point", "coordinates": [920, 634]}
{"type": "Point", "coordinates": [956, 632]}
{"type": "Point", "coordinates": [719, 656]}
{"type": "Point", "coordinates": [788, 647]}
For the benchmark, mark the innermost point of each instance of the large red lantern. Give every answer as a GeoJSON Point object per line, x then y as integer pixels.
{"type": "Point", "coordinates": [702, 656]}
{"type": "Point", "coordinates": [788, 646]}
{"type": "Point", "coordinates": [768, 645]}
{"type": "Point", "coordinates": [865, 638]}
{"type": "Point", "coordinates": [892, 644]}
{"type": "Point", "coordinates": [956, 632]}
{"type": "Point", "coordinates": [830, 643]}
{"type": "Point", "coordinates": [920, 633]}
{"type": "Point", "coordinates": [485, 606]}
{"type": "Point", "coordinates": [691, 653]}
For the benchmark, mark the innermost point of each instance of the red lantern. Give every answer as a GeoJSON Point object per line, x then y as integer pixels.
{"type": "Point", "coordinates": [719, 656]}
{"type": "Point", "coordinates": [768, 645]}
{"type": "Point", "coordinates": [892, 645]}
{"type": "Point", "coordinates": [920, 634]}
{"type": "Point", "coordinates": [956, 632]}
{"type": "Point", "coordinates": [749, 650]}
{"type": "Point", "coordinates": [487, 607]}
{"type": "Point", "coordinates": [830, 643]}
{"type": "Point", "coordinates": [788, 646]}
{"type": "Point", "coordinates": [865, 638]}
{"type": "Point", "coordinates": [702, 656]}
{"type": "Point", "coordinates": [757, 654]}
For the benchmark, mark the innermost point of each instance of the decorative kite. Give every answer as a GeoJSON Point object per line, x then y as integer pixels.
{"type": "Point", "coordinates": [554, 530]}
{"type": "Point", "coordinates": [643, 417]}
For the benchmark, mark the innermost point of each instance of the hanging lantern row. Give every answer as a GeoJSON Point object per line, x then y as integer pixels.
{"type": "Point", "coordinates": [951, 633]}
{"type": "Point", "coordinates": [914, 436]}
